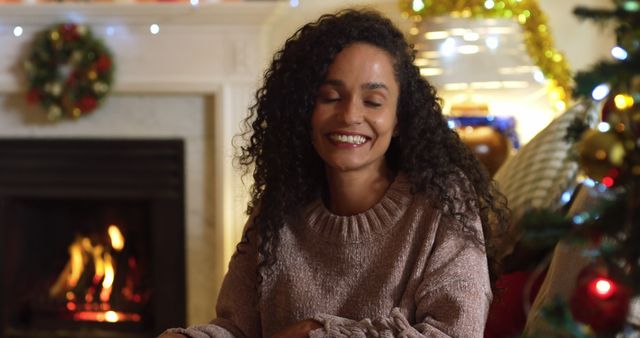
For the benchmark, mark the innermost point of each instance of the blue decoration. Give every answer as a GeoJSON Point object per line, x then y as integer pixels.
{"type": "Point", "coordinates": [503, 124]}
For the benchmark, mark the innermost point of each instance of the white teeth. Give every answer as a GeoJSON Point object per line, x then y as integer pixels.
{"type": "Point", "coordinates": [353, 139]}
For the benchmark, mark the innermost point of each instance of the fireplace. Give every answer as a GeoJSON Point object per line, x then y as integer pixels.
{"type": "Point", "coordinates": [91, 237]}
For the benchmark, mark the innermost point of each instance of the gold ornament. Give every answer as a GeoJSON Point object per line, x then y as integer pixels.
{"type": "Point", "coordinates": [54, 113]}
{"type": "Point", "coordinates": [54, 35]}
{"type": "Point", "coordinates": [538, 40]}
{"type": "Point", "coordinates": [600, 152]}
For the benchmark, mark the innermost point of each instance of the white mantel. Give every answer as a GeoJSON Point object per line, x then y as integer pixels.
{"type": "Point", "coordinates": [194, 80]}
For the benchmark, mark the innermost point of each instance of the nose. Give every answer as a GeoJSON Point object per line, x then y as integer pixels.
{"type": "Point", "coordinates": [351, 112]}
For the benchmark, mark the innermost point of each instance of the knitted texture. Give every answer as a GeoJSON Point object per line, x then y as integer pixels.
{"type": "Point", "coordinates": [399, 269]}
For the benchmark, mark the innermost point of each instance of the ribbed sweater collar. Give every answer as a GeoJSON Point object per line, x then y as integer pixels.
{"type": "Point", "coordinates": [363, 226]}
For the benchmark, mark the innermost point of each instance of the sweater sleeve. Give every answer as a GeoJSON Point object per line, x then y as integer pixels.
{"type": "Point", "coordinates": [452, 299]}
{"type": "Point", "coordinates": [237, 313]}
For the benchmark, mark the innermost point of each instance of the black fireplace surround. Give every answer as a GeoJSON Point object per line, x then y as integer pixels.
{"type": "Point", "coordinates": [56, 194]}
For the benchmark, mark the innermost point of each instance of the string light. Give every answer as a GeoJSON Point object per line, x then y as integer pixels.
{"type": "Point", "coordinates": [417, 5]}
{"type": "Point", "coordinates": [607, 181]}
{"type": "Point", "coordinates": [600, 92]}
{"type": "Point", "coordinates": [17, 31]}
{"type": "Point", "coordinates": [602, 287]}
{"type": "Point", "coordinates": [603, 127]}
{"type": "Point", "coordinates": [623, 101]}
{"type": "Point", "coordinates": [489, 4]}
{"type": "Point", "coordinates": [619, 53]}
{"type": "Point", "coordinates": [294, 3]}
{"type": "Point", "coordinates": [154, 29]}
{"type": "Point", "coordinates": [448, 47]}
{"type": "Point", "coordinates": [492, 42]}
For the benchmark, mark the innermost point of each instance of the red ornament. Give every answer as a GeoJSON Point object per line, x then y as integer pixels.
{"type": "Point", "coordinates": [69, 32]}
{"type": "Point", "coordinates": [87, 104]}
{"type": "Point", "coordinates": [103, 63]}
{"type": "Point", "coordinates": [506, 314]}
{"type": "Point", "coordinates": [33, 96]}
{"type": "Point", "coordinates": [600, 301]}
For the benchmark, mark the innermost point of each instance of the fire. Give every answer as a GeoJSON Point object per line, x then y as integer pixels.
{"type": "Point", "coordinates": [117, 240]}
{"type": "Point", "coordinates": [84, 252]}
{"type": "Point", "coordinates": [109, 276]}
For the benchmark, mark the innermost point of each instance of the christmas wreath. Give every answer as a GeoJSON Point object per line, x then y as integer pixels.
{"type": "Point", "coordinates": [69, 72]}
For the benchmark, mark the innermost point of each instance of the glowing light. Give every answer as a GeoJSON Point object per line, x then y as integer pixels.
{"type": "Point", "coordinates": [417, 5]}
{"type": "Point", "coordinates": [154, 29]}
{"type": "Point", "coordinates": [110, 30]}
{"type": "Point", "coordinates": [17, 31]}
{"type": "Point", "coordinates": [538, 75]}
{"type": "Point", "coordinates": [602, 287]}
{"type": "Point", "coordinates": [294, 3]}
{"type": "Point", "coordinates": [436, 35]}
{"type": "Point", "coordinates": [77, 264]}
{"type": "Point", "coordinates": [603, 127]}
{"type": "Point", "coordinates": [420, 62]}
{"type": "Point", "coordinates": [492, 42]}
{"type": "Point", "coordinates": [623, 101]}
{"type": "Point", "coordinates": [108, 316]}
{"type": "Point", "coordinates": [451, 124]}
{"type": "Point", "coordinates": [109, 276]}
{"type": "Point", "coordinates": [448, 47]}
{"type": "Point", "coordinates": [608, 181]}
{"type": "Point", "coordinates": [489, 4]}
{"type": "Point", "coordinates": [631, 6]}
{"type": "Point", "coordinates": [600, 92]}
{"type": "Point", "coordinates": [194, 2]}
{"type": "Point", "coordinates": [111, 316]}
{"type": "Point", "coordinates": [579, 218]}
{"type": "Point", "coordinates": [471, 36]}
{"type": "Point", "coordinates": [117, 240]}
{"type": "Point", "coordinates": [589, 183]}
{"type": "Point", "coordinates": [468, 49]}
{"type": "Point", "coordinates": [430, 71]}
{"type": "Point", "coordinates": [619, 53]}
{"type": "Point", "coordinates": [566, 197]}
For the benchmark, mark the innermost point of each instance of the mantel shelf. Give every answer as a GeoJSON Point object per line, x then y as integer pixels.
{"type": "Point", "coordinates": [206, 13]}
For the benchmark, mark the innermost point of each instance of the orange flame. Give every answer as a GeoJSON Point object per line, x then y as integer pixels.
{"type": "Point", "coordinates": [117, 240]}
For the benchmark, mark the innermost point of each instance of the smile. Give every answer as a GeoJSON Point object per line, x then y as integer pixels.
{"type": "Point", "coordinates": [351, 139]}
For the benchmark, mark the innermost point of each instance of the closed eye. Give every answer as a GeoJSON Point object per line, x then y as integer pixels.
{"type": "Point", "coordinates": [372, 104]}
{"type": "Point", "coordinates": [329, 99]}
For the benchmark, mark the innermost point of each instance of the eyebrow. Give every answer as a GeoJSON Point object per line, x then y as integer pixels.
{"type": "Point", "coordinates": [364, 86]}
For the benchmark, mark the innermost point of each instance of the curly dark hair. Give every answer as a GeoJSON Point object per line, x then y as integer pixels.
{"type": "Point", "coordinates": [288, 173]}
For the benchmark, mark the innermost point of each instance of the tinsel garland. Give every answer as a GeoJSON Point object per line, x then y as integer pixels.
{"type": "Point", "coordinates": [538, 40]}
{"type": "Point", "coordinates": [69, 72]}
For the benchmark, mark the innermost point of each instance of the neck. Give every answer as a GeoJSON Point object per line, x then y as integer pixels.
{"type": "Point", "coordinates": [355, 192]}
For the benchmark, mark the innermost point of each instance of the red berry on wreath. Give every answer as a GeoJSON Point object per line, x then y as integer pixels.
{"type": "Point", "coordinates": [69, 32]}
{"type": "Point", "coordinates": [87, 104]}
{"type": "Point", "coordinates": [33, 96]}
{"type": "Point", "coordinates": [600, 301]}
{"type": "Point", "coordinates": [103, 63]}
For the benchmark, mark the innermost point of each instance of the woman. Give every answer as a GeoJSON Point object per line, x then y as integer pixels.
{"type": "Point", "coordinates": [369, 217]}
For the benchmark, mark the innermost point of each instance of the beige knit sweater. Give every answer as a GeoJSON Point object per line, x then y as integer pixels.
{"type": "Point", "coordinates": [396, 270]}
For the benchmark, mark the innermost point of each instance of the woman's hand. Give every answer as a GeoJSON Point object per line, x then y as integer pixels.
{"type": "Point", "coordinates": [298, 330]}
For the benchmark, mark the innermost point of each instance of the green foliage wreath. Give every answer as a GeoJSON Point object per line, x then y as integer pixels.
{"type": "Point", "coordinates": [69, 72]}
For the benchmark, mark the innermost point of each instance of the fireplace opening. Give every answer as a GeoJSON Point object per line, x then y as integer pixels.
{"type": "Point", "coordinates": [91, 238]}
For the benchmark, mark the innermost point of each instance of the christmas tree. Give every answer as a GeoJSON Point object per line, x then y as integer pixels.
{"type": "Point", "coordinates": [607, 230]}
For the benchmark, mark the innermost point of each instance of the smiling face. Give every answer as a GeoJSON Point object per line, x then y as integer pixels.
{"type": "Point", "coordinates": [355, 112]}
